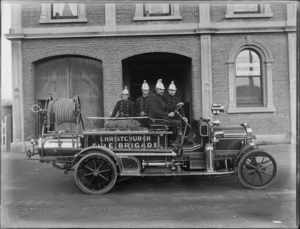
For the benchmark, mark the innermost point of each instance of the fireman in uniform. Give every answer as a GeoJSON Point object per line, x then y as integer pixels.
{"type": "Point", "coordinates": [142, 104]}
{"type": "Point", "coordinates": [172, 100]}
{"type": "Point", "coordinates": [124, 107]}
{"type": "Point", "coordinates": [159, 109]}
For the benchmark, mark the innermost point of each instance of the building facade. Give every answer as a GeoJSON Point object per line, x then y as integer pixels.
{"type": "Point", "coordinates": [240, 55]}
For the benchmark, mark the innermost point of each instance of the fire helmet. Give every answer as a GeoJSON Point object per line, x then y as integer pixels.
{"type": "Point", "coordinates": [159, 84]}
{"type": "Point", "coordinates": [145, 86]}
{"type": "Point", "coordinates": [172, 86]}
{"type": "Point", "coordinates": [125, 91]}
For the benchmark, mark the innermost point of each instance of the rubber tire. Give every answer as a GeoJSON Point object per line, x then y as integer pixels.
{"type": "Point", "coordinates": [108, 161]}
{"type": "Point", "coordinates": [241, 164]}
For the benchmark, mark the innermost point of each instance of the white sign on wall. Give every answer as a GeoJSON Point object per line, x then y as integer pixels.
{"type": "Point", "coordinates": [245, 7]}
{"type": "Point", "coordinates": [247, 69]}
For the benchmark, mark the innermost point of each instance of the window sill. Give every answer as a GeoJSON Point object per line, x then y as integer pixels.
{"type": "Point", "coordinates": [233, 110]}
{"type": "Point", "coordinates": [255, 15]}
{"type": "Point", "coordinates": [53, 21]}
{"type": "Point", "coordinates": [153, 18]}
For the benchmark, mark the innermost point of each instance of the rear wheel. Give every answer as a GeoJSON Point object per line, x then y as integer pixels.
{"type": "Point", "coordinates": [96, 173]}
{"type": "Point", "coordinates": [257, 169]}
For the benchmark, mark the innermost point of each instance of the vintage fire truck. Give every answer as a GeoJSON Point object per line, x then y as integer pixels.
{"type": "Point", "coordinates": [100, 157]}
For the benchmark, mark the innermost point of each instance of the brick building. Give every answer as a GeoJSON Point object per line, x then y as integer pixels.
{"type": "Point", "coordinates": [240, 55]}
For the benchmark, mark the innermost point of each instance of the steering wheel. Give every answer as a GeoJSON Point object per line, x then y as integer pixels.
{"type": "Point", "coordinates": [179, 106]}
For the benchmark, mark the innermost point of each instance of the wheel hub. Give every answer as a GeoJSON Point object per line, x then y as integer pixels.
{"type": "Point", "coordinates": [259, 168]}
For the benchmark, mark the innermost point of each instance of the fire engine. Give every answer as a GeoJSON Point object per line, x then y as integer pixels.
{"type": "Point", "coordinates": [99, 157]}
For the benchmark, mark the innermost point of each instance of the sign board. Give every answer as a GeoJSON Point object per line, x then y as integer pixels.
{"type": "Point", "coordinates": [147, 141]}
{"type": "Point", "coordinates": [247, 69]}
{"type": "Point", "coordinates": [239, 8]}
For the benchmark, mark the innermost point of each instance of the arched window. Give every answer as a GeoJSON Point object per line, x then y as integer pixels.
{"type": "Point", "coordinates": [249, 83]}
{"type": "Point", "coordinates": [250, 78]}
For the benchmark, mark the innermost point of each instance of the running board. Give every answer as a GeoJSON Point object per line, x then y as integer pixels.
{"type": "Point", "coordinates": [177, 173]}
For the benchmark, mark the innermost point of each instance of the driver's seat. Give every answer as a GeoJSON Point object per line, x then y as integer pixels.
{"type": "Point", "coordinates": [158, 124]}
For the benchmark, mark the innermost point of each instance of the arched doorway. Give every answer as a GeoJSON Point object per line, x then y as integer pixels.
{"type": "Point", "coordinates": [63, 77]}
{"type": "Point", "coordinates": [153, 66]}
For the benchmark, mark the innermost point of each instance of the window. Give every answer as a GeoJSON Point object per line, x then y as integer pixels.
{"type": "Point", "coordinates": [248, 79]}
{"type": "Point", "coordinates": [144, 12]}
{"type": "Point", "coordinates": [62, 13]}
{"type": "Point", "coordinates": [157, 10]}
{"type": "Point", "coordinates": [248, 11]}
{"type": "Point", "coordinates": [246, 8]}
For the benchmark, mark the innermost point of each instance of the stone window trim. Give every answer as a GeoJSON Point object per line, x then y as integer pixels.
{"type": "Point", "coordinates": [267, 62]}
{"type": "Point", "coordinates": [139, 14]}
{"type": "Point", "coordinates": [46, 15]}
{"type": "Point", "coordinates": [265, 12]}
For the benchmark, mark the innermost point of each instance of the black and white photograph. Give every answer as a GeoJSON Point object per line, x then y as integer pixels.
{"type": "Point", "coordinates": [150, 114]}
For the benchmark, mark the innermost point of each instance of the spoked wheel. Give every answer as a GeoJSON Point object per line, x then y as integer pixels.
{"type": "Point", "coordinates": [96, 173]}
{"type": "Point", "coordinates": [257, 169]}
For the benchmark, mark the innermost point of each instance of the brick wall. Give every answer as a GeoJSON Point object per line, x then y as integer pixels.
{"type": "Point", "coordinates": [125, 13]}
{"type": "Point", "coordinates": [279, 11]}
{"type": "Point", "coordinates": [95, 13]}
{"type": "Point", "coordinates": [218, 11]}
{"type": "Point", "coordinates": [189, 13]}
{"type": "Point", "coordinates": [111, 51]}
{"type": "Point", "coordinates": [262, 123]}
{"type": "Point", "coordinates": [31, 13]}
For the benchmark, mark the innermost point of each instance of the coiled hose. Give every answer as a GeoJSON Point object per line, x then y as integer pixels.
{"type": "Point", "coordinates": [63, 110]}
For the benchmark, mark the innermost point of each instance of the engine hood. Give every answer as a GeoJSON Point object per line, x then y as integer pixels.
{"type": "Point", "coordinates": [242, 130]}
{"type": "Point", "coordinates": [232, 131]}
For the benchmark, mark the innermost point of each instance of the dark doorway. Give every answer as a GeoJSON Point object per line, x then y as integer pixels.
{"type": "Point", "coordinates": [154, 66]}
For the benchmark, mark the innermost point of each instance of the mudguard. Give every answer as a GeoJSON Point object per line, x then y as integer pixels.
{"type": "Point", "coordinates": [242, 151]}
{"type": "Point", "coordinates": [103, 149]}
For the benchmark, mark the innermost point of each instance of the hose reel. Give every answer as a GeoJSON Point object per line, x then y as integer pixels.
{"type": "Point", "coordinates": [62, 110]}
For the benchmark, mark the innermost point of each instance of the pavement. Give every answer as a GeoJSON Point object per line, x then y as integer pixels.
{"type": "Point", "coordinates": [36, 195]}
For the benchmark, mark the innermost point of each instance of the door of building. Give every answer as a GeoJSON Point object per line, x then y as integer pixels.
{"type": "Point", "coordinates": [64, 76]}
{"type": "Point", "coordinates": [153, 66]}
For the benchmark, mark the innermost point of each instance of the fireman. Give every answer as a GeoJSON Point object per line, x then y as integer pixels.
{"type": "Point", "coordinates": [159, 109]}
{"type": "Point", "coordinates": [124, 107]}
{"type": "Point", "coordinates": [142, 104]}
{"type": "Point", "coordinates": [172, 100]}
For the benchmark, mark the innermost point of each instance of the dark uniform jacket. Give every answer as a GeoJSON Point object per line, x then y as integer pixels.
{"type": "Point", "coordinates": [158, 107]}
{"type": "Point", "coordinates": [172, 101]}
{"type": "Point", "coordinates": [125, 108]}
{"type": "Point", "coordinates": [142, 106]}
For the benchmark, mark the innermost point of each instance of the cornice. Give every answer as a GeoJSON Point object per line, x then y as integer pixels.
{"type": "Point", "coordinates": [150, 30]}
{"type": "Point", "coordinates": [150, 1]}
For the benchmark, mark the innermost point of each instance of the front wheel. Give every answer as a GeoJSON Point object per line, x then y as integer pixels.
{"type": "Point", "coordinates": [96, 173]}
{"type": "Point", "coordinates": [257, 169]}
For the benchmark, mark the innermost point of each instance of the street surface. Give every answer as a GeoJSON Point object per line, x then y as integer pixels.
{"type": "Point", "coordinates": [37, 195]}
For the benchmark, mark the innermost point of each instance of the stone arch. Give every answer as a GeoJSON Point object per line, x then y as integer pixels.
{"type": "Point", "coordinates": [58, 50]}
{"type": "Point", "coordinates": [180, 53]}
{"type": "Point", "coordinates": [142, 49]}
{"type": "Point", "coordinates": [250, 43]}
{"type": "Point", "coordinates": [91, 87]}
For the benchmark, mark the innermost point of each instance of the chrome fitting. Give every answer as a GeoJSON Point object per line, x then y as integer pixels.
{"type": "Point", "coordinates": [210, 157]}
